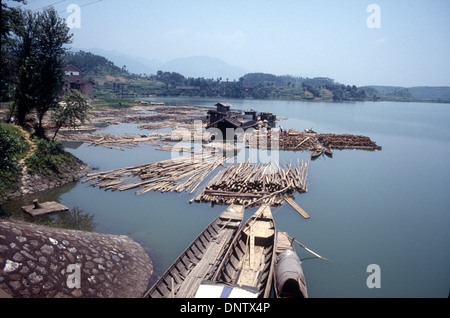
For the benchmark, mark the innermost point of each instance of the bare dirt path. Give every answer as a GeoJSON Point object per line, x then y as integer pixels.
{"type": "Point", "coordinates": [33, 147]}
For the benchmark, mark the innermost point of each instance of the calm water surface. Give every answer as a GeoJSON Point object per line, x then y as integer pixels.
{"type": "Point", "coordinates": [389, 207]}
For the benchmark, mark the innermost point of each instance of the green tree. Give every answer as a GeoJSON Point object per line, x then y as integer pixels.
{"type": "Point", "coordinates": [73, 109]}
{"type": "Point", "coordinates": [40, 47]}
{"type": "Point", "coordinates": [52, 36]}
{"type": "Point", "coordinates": [24, 86]}
{"type": "Point", "coordinates": [9, 18]}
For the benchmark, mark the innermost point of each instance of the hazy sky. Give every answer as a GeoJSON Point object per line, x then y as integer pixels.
{"type": "Point", "coordinates": [297, 37]}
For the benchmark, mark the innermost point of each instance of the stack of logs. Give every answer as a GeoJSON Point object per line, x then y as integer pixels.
{"type": "Point", "coordinates": [291, 141]}
{"type": "Point", "coordinates": [173, 175]}
{"type": "Point", "coordinates": [347, 141]}
{"type": "Point", "coordinates": [285, 140]}
{"type": "Point", "coordinates": [253, 185]}
{"type": "Point", "coordinates": [294, 140]}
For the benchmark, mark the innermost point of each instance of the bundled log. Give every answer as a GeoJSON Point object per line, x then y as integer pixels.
{"type": "Point", "coordinates": [284, 140]}
{"type": "Point", "coordinates": [347, 141]}
{"type": "Point", "coordinates": [253, 185]}
{"type": "Point", "coordinates": [294, 140]}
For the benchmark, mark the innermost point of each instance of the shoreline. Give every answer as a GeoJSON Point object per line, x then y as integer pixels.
{"type": "Point", "coordinates": [35, 183]}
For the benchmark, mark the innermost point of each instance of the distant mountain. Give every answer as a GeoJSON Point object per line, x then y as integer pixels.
{"type": "Point", "coordinates": [195, 66]}
{"type": "Point", "coordinates": [426, 93]}
{"type": "Point", "coordinates": [203, 66]}
{"type": "Point", "coordinates": [136, 65]}
{"type": "Point", "coordinates": [437, 93]}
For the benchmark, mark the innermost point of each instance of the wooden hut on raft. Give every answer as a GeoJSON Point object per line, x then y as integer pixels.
{"type": "Point", "coordinates": [224, 118]}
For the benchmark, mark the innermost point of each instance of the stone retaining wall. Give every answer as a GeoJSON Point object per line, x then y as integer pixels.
{"type": "Point", "coordinates": [38, 261]}
{"type": "Point", "coordinates": [33, 183]}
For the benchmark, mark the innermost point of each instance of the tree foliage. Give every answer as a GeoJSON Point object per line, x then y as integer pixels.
{"type": "Point", "coordinates": [13, 147]}
{"type": "Point", "coordinates": [9, 19]}
{"type": "Point", "coordinates": [73, 110]}
{"type": "Point", "coordinates": [35, 43]}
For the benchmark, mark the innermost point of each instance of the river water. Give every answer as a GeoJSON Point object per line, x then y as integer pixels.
{"type": "Point", "coordinates": [390, 207]}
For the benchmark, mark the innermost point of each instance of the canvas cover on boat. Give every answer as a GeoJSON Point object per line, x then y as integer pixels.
{"type": "Point", "coordinates": [288, 266]}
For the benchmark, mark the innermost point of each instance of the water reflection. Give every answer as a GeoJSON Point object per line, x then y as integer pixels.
{"type": "Point", "coordinates": [74, 219]}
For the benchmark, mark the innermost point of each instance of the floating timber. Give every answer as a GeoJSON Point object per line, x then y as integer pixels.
{"type": "Point", "coordinates": [201, 259]}
{"type": "Point", "coordinates": [113, 141]}
{"type": "Point", "coordinates": [249, 261]}
{"type": "Point", "coordinates": [255, 184]}
{"type": "Point", "coordinates": [180, 174]}
{"type": "Point", "coordinates": [297, 208]}
{"type": "Point", "coordinates": [289, 280]}
{"type": "Point", "coordinates": [38, 209]}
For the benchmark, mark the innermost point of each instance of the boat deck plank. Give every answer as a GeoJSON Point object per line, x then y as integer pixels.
{"type": "Point", "coordinates": [251, 269]}
{"type": "Point", "coordinates": [200, 271]}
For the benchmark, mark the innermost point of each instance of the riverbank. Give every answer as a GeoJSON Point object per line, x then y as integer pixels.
{"type": "Point", "coordinates": [45, 166]}
{"type": "Point", "coordinates": [35, 183]}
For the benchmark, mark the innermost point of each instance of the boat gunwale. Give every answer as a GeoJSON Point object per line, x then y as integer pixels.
{"type": "Point", "coordinates": [172, 269]}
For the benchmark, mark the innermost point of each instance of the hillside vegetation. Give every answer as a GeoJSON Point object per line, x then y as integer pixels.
{"type": "Point", "coordinates": [13, 147]}
{"type": "Point", "coordinates": [113, 82]}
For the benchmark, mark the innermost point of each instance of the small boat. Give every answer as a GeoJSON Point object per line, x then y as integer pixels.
{"type": "Point", "coordinates": [201, 258]}
{"type": "Point", "coordinates": [328, 152]}
{"type": "Point", "coordinates": [289, 280]}
{"type": "Point", "coordinates": [248, 263]}
{"type": "Point", "coordinates": [317, 152]}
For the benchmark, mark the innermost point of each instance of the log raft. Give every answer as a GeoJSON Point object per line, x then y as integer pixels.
{"type": "Point", "coordinates": [255, 184]}
{"type": "Point", "coordinates": [114, 141]}
{"type": "Point", "coordinates": [173, 175]}
{"type": "Point", "coordinates": [244, 183]}
{"type": "Point", "coordinates": [307, 141]}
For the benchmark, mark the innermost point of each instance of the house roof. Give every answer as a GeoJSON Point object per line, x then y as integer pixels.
{"type": "Point", "coordinates": [248, 124]}
{"type": "Point", "coordinates": [233, 121]}
{"type": "Point", "coordinates": [67, 66]}
{"type": "Point", "coordinates": [223, 104]}
{"type": "Point", "coordinates": [236, 123]}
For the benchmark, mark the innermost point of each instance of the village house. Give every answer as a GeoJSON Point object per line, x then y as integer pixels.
{"type": "Point", "coordinates": [73, 80]}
